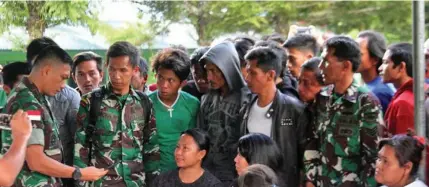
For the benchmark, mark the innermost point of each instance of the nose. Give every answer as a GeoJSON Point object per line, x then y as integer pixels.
{"type": "Point", "coordinates": [236, 159]}
{"type": "Point", "coordinates": [210, 76]}
{"type": "Point", "coordinates": [163, 84]}
{"type": "Point", "coordinates": [380, 69]}
{"type": "Point", "coordinates": [87, 78]}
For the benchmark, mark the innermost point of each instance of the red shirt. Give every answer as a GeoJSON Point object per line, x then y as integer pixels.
{"type": "Point", "coordinates": [400, 112]}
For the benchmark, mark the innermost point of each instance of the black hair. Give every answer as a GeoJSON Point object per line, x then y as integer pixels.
{"type": "Point", "coordinates": [251, 146]}
{"type": "Point", "coordinates": [11, 71]}
{"type": "Point", "coordinates": [86, 56]}
{"type": "Point", "coordinates": [407, 149]}
{"type": "Point", "coordinates": [345, 48]}
{"type": "Point", "coordinates": [144, 68]}
{"type": "Point", "coordinates": [180, 47]}
{"type": "Point", "coordinates": [312, 65]}
{"type": "Point", "coordinates": [279, 50]}
{"type": "Point", "coordinates": [36, 46]}
{"type": "Point", "coordinates": [53, 52]}
{"type": "Point", "coordinates": [123, 48]}
{"type": "Point", "coordinates": [197, 54]}
{"type": "Point", "coordinates": [201, 139]}
{"type": "Point", "coordinates": [303, 42]}
{"type": "Point", "coordinates": [258, 175]}
{"type": "Point", "coordinates": [173, 59]}
{"type": "Point", "coordinates": [266, 59]}
{"type": "Point", "coordinates": [376, 45]}
{"type": "Point", "coordinates": [275, 37]}
{"type": "Point", "coordinates": [402, 52]}
{"type": "Point", "coordinates": [243, 45]}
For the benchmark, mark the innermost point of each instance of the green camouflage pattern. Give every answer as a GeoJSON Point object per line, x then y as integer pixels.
{"type": "Point", "coordinates": [124, 141]}
{"type": "Point", "coordinates": [342, 147]}
{"type": "Point", "coordinates": [45, 132]}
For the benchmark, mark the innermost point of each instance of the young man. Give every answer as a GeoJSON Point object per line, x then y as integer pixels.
{"type": "Point", "coordinates": [347, 119]}
{"type": "Point", "coordinates": [11, 163]}
{"type": "Point", "coordinates": [242, 45]}
{"type": "Point", "coordinates": [300, 48]}
{"type": "Point", "coordinates": [199, 85]}
{"type": "Point", "coordinates": [397, 68]}
{"type": "Point", "coordinates": [13, 73]}
{"type": "Point", "coordinates": [121, 137]}
{"type": "Point", "coordinates": [372, 47]}
{"type": "Point", "coordinates": [220, 107]}
{"type": "Point", "coordinates": [44, 154]}
{"type": "Point", "coordinates": [87, 71]}
{"type": "Point", "coordinates": [272, 113]}
{"type": "Point", "coordinates": [140, 77]}
{"type": "Point", "coordinates": [175, 111]}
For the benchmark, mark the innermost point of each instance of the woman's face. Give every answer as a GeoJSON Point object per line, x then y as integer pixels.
{"type": "Point", "coordinates": [388, 171]}
{"type": "Point", "coordinates": [187, 153]}
{"type": "Point", "coordinates": [240, 164]}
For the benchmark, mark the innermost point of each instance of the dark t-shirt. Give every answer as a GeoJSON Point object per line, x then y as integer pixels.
{"type": "Point", "coordinates": [171, 179]}
{"type": "Point", "coordinates": [191, 88]}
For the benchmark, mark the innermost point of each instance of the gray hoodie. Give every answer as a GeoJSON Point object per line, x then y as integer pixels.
{"type": "Point", "coordinates": [220, 116]}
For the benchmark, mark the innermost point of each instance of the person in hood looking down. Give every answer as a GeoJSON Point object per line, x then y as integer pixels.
{"type": "Point", "coordinates": [220, 107]}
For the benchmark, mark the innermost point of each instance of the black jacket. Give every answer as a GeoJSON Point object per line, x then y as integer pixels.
{"type": "Point", "coordinates": [220, 116]}
{"type": "Point", "coordinates": [289, 121]}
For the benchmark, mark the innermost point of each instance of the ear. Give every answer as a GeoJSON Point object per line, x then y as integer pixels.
{"type": "Point", "coordinates": [374, 61]}
{"type": "Point", "coordinates": [403, 67]}
{"type": "Point", "coordinates": [102, 75]}
{"type": "Point", "coordinates": [201, 154]}
{"type": "Point", "coordinates": [408, 166]}
{"type": "Point", "coordinates": [271, 75]}
{"type": "Point", "coordinates": [145, 77]}
{"type": "Point", "coordinates": [46, 69]}
{"type": "Point", "coordinates": [7, 89]}
{"type": "Point", "coordinates": [348, 65]}
{"type": "Point", "coordinates": [309, 55]}
{"type": "Point", "coordinates": [136, 69]}
{"type": "Point", "coordinates": [73, 77]}
{"type": "Point", "coordinates": [183, 83]}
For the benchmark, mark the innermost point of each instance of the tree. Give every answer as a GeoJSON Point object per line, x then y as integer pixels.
{"type": "Point", "coordinates": [209, 18]}
{"type": "Point", "coordinates": [135, 33]}
{"type": "Point", "coordinates": [37, 16]}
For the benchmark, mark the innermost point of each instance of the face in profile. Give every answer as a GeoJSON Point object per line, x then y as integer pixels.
{"type": "Point", "coordinates": [241, 164]}
{"type": "Point", "coordinates": [308, 86]}
{"type": "Point", "coordinates": [120, 73]}
{"type": "Point", "coordinates": [55, 76]}
{"type": "Point", "coordinates": [200, 77]}
{"type": "Point", "coordinates": [187, 153]}
{"type": "Point", "coordinates": [388, 170]}
{"type": "Point", "coordinates": [387, 72]}
{"type": "Point", "coordinates": [214, 76]}
{"type": "Point", "coordinates": [87, 76]}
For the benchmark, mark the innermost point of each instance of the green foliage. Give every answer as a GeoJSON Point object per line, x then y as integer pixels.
{"type": "Point", "coordinates": [36, 16]}
{"type": "Point", "coordinates": [136, 33]}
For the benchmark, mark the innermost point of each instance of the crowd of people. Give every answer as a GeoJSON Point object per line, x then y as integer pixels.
{"type": "Point", "coordinates": [240, 113]}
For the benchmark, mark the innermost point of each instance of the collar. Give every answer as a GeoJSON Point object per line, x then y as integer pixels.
{"type": "Point", "coordinates": [408, 86]}
{"type": "Point", "coordinates": [78, 91]}
{"type": "Point", "coordinates": [110, 93]}
{"type": "Point", "coordinates": [32, 87]}
{"type": "Point", "coordinates": [350, 95]}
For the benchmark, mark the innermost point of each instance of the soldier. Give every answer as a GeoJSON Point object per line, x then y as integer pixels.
{"type": "Point", "coordinates": [116, 126]}
{"type": "Point", "coordinates": [347, 119]}
{"type": "Point", "coordinates": [44, 151]}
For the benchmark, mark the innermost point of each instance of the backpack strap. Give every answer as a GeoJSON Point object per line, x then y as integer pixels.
{"type": "Point", "coordinates": [94, 112]}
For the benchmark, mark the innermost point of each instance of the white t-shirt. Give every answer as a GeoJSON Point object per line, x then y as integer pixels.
{"type": "Point", "coordinates": [258, 120]}
{"type": "Point", "coordinates": [416, 183]}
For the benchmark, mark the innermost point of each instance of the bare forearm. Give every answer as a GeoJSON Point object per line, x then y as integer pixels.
{"type": "Point", "coordinates": [11, 163]}
{"type": "Point", "coordinates": [48, 166]}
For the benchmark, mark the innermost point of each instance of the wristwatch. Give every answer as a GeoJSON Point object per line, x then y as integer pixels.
{"type": "Point", "coordinates": [76, 174]}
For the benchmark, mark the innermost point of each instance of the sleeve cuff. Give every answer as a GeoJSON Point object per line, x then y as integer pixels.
{"type": "Point", "coordinates": [37, 137]}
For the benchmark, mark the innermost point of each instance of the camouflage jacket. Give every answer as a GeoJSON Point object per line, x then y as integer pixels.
{"type": "Point", "coordinates": [123, 141]}
{"type": "Point", "coordinates": [45, 132]}
{"type": "Point", "coordinates": [342, 147]}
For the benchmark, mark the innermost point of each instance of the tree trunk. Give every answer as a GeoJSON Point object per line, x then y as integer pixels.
{"type": "Point", "coordinates": [35, 26]}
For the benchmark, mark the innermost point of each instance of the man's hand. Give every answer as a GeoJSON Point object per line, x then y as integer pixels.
{"type": "Point", "coordinates": [21, 125]}
{"type": "Point", "coordinates": [92, 173]}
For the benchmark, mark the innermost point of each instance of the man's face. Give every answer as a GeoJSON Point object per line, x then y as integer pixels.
{"type": "Point", "coordinates": [366, 61]}
{"type": "Point", "coordinates": [138, 81]}
{"type": "Point", "coordinates": [120, 73]}
{"type": "Point", "coordinates": [331, 68]}
{"type": "Point", "coordinates": [200, 78]}
{"type": "Point", "coordinates": [295, 59]}
{"type": "Point", "coordinates": [168, 83]}
{"type": "Point", "coordinates": [54, 78]}
{"type": "Point", "coordinates": [87, 76]}
{"type": "Point", "coordinates": [387, 72]}
{"type": "Point", "coordinates": [257, 79]}
{"type": "Point", "coordinates": [215, 76]}
{"type": "Point", "coordinates": [308, 86]}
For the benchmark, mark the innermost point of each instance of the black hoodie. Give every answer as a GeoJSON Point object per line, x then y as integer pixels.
{"type": "Point", "coordinates": [219, 116]}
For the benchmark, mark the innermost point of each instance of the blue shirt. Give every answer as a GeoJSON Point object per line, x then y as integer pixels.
{"type": "Point", "coordinates": [384, 92]}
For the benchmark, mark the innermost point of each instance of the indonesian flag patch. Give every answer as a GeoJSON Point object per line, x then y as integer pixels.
{"type": "Point", "coordinates": [34, 115]}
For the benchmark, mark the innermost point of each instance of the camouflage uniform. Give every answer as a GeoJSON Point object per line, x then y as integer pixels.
{"type": "Point", "coordinates": [343, 144]}
{"type": "Point", "coordinates": [123, 138]}
{"type": "Point", "coordinates": [45, 132]}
